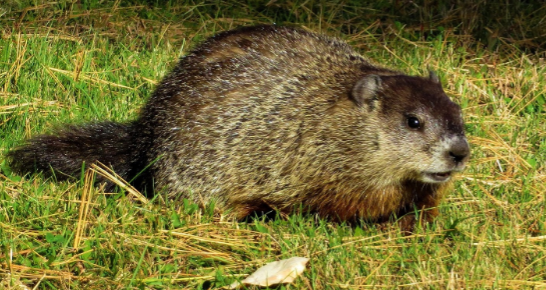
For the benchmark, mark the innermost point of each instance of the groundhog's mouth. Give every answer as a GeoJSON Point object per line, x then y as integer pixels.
{"type": "Point", "coordinates": [437, 176]}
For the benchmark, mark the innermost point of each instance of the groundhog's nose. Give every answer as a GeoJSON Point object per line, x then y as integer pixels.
{"type": "Point", "coordinates": [459, 150]}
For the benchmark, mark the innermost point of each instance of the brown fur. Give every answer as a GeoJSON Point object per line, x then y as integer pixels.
{"type": "Point", "coordinates": [275, 117]}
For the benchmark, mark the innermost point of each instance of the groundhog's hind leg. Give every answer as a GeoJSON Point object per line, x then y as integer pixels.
{"type": "Point", "coordinates": [252, 210]}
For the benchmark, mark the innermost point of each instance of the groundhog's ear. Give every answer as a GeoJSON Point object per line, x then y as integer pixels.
{"type": "Point", "coordinates": [433, 77]}
{"type": "Point", "coordinates": [365, 91]}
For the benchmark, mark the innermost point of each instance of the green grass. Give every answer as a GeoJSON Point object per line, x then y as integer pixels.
{"type": "Point", "coordinates": [76, 62]}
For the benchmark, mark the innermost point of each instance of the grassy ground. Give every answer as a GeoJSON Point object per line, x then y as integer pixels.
{"type": "Point", "coordinates": [72, 62]}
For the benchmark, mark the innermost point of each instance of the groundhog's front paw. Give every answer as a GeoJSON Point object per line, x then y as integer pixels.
{"type": "Point", "coordinates": [407, 223]}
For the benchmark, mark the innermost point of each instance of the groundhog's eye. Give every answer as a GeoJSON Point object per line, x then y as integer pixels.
{"type": "Point", "coordinates": [414, 123]}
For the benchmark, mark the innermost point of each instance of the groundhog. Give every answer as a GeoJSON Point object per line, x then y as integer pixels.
{"type": "Point", "coordinates": [270, 117]}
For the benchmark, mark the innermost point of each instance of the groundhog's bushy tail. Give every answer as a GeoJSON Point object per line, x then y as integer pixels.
{"type": "Point", "coordinates": [62, 154]}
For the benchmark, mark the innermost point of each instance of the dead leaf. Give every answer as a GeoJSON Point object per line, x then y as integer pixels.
{"type": "Point", "coordinates": [283, 271]}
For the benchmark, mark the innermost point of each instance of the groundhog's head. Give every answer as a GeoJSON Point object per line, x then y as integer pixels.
{"type": "Point", "coordinates": [422, 129]}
